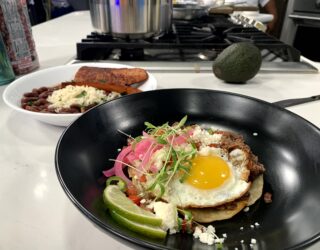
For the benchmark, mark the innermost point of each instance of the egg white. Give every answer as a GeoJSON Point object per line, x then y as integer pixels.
{"type": "Point", "coordinates": [186, 195]}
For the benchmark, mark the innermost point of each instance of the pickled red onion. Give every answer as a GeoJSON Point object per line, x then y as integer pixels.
{"type": "Point", "coordinates": [118, 165]}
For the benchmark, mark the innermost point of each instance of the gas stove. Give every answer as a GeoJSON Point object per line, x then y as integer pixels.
{"type": "Point", "coordinates": [191, 45]}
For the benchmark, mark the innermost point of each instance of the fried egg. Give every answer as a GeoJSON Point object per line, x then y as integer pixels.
{"type": "Point", "coordinates": [215, 177]}
{"type": "Point", "coordinates": [213, 180]}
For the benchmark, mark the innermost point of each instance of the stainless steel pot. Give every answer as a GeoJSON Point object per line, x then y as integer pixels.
{"type": "Point", "coordinates": [138, 19]}
{"type": "Point", "coordinates": [99, 12]}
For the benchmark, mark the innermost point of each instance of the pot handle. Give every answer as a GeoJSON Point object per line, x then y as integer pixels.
{"type": "Point", "coordinates": [292, 102]}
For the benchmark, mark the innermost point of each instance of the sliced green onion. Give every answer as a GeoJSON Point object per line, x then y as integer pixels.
{"type": "Point", "coordinates": [187, 215]}
{"type": "Point", "coordinates": [116, 180]}
{"type": "Point", "coordinates": [162, 189]}
{"type": "Point", "coordinates": [82, 94]}
{"type": "Point", "coordinates": [149, 125]}
{"type": "Point", "coordinates": [182, 122]}
{"type": "Point", "coordinates": [179, 224]}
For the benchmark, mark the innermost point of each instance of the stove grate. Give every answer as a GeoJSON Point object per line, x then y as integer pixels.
{"type": "Point", "coordinates": [186, 41]}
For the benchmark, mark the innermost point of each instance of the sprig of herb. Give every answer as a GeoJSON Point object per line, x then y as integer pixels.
{"type": "Point", "coordinates": [177, 161]}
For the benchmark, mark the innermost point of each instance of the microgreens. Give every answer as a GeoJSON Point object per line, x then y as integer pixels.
{"type": "Point", "coordinates": [177, 161]}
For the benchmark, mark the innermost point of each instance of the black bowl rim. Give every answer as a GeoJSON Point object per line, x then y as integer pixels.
{"type": "Point", "coordinates": [141, 242]}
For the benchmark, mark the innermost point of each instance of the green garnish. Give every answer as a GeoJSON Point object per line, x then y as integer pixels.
{"type": "Point", "coordinates": [219, 246]}
{"type": "Point", "coordinates": [186, 213]}
{"type": "Point", "coordinates": [182, 122]}
{"type": "Point", "coordinates": [161, 140]}
{"type": "Point", "coordinates": [116, 180]}
{"type": "Point", "coordinates": [82, 94]}
{"type": "Point", "coordinates": [177, 161]}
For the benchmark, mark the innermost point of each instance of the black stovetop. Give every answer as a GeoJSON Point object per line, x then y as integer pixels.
{"type": "Point", "coordinates": [197, 40]}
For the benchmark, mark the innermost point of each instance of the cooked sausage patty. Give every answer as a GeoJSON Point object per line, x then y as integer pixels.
{"type": "Point", "coordinates": [121, 76]}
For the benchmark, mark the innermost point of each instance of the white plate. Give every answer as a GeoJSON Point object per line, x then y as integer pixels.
{"type": "Point", "coordinates": [51, 77]}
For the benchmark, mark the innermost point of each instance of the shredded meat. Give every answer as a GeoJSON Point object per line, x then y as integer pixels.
{"type": "Point", "coordinates": [121, 76]}
{"type": "Point", "coordinates": [231, 141]}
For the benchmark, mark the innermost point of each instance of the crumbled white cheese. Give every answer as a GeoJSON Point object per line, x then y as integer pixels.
{"type": "Point", "coordinates": [197, 232]}
{"type": "Point", "coordinates": [241, 241]}
{"type": "Point", "coordinates": [219, 240]}
{"type": "Point", "coordinates": [253, 241]}
{"type": "Point", "coordinates": [206, 238]}
{"type": "Point", "coordinates": [252, 226]}
{"type": "Point", "coordinates": [204, 137]}
{"type": "Point", "coordinates": [186, 147]}
{"type": "Point", "coordinates": [241, 228]}
{"type": "Point", "coordinates": [207, 150]}
{"type": "Point", "coordinates": [246, 209]}
{"type": "Point", "coordinates": [211, 229]}
{"type": "Point", "coordinates": [78, 95]}
{"type": "Point", "coordinates": [169, 215]}
{"type": "Point", "coordinates": [256, 224]}
{"type": "Point", "coordinates": [158, 158]}
{"type": "Point", "coordinates": [237, 156]}
{"type": "Point", "coordinates": [143, 201]}
{"type": "Point", "coordinates": [207, 235]}
{"type": "Point", "coordinates": [224, 235]}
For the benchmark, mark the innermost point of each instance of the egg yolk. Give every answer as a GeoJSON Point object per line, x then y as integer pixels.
{"type": "Point", "coordinates": [208, 172]}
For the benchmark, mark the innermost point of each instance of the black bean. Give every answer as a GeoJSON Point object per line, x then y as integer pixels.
{"type": "Point", "coordinates": [51, 110]}
{"type": "Point", "coordinates": [30, 94]}
{"type": "Point", "coordinates": [36, 91]}
{"type": "Point", "coordinates": [90, 106]}
{"type": "Point", "coordinates": [36, 103]}
{"type": "Point", "coordinates": [45, 94]}
{"type": "Point", "coordinates": [55, 88]}
{"type": "Point", "coordinates": [42, 89]}
{"type": "Point", "coordinates": [29, 99]}
{"type": "Point", "coordinates": [68, 110]}
{"type": "Point", "coordinates": [32, 108]}
{"type": "Point", "coordinates": [77, 107]}
{"type": "Point", "coordinates": [43, 101]}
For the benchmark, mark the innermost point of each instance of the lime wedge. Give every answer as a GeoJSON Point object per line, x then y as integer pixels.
{"type": "Point", "coordinates": [147, 230]}
{"type": "Point", "coordinates": [116, 200]}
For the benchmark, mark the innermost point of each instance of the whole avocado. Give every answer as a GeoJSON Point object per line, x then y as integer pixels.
{"type": "Point", "coordinates": [237, 63]}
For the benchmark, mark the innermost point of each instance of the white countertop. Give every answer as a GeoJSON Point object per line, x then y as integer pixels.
{"type": "Point", "coordinates": [35, 213]}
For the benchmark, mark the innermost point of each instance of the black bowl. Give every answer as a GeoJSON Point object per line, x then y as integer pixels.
{"type": "Point", "coordinates": [286, 144]}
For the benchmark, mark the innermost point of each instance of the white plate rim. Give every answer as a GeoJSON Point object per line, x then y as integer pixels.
{"type": "Point", "coordinates": [149, 84]}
